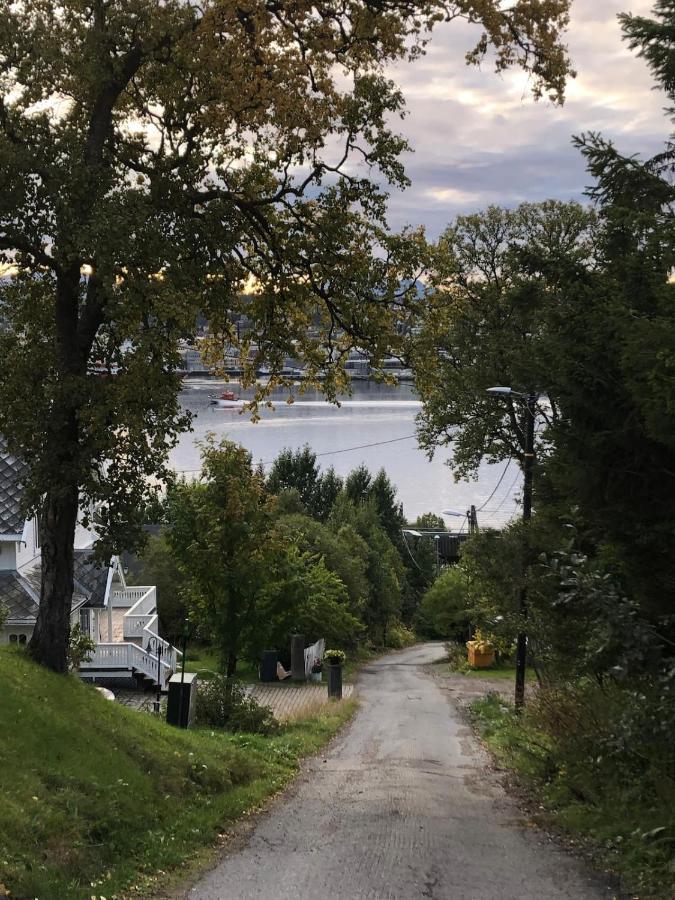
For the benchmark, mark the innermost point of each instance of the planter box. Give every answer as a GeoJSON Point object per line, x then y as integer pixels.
{"type": "Point", "coordinates": [316, 676]}
{"type": "Point", "coordinates": [479, 660]}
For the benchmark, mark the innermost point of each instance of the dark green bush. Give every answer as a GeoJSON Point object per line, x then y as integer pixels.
{"type": "Point", "coordinates": [223, 703]}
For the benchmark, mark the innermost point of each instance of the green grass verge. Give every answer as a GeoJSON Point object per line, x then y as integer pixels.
{"type": "Point", "coordinates": [624, 815]}
{"type": "Point", "coordinates": [95, 799]}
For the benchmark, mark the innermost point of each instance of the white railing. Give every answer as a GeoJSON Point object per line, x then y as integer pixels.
{"type": "Point", "coordinates": [129, 596]}
{"type": "Point", "coordinates": [131, 657]}
{"type": "Point", "coordinates": [140, 613]}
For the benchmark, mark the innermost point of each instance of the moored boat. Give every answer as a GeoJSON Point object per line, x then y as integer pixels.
{"type": "Point", "coordinates": [227, 400]}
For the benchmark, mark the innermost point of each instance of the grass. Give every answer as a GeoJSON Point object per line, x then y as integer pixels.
{"type": "Point", "coordinates": [620, 809]}
{"type": "Point", "coordinates": [503, 673]}
{"type": "Point", "coordinates": [97, 799]}
{"type": "Point", "coordinates": [205, 661]}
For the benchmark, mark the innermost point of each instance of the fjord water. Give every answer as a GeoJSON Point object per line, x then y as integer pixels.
{"type": "Point", "coordinates": [346, 436]}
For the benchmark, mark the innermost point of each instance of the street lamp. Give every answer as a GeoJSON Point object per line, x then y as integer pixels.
{"type": "Point", "coordinates": [529, 401]}
{"type": "Point", "coordinates": [469, 515]}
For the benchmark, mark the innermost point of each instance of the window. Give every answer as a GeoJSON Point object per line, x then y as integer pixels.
{"type": "Point", "coordinates": [22, 638]}
{"type": "Point", "coordinates": [13, 638]}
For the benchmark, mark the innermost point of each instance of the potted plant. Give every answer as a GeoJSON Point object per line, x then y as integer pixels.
{"type": "Point", "coordinates": [317, 670]}
{"type": "Point", "coordinates": [335, 659]}
{"type": "Point", "coordinates": [481, 653]}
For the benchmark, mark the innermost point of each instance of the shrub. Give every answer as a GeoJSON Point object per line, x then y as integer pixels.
{"type": "Point", "coordinates": [444, 608]}
{"type": "Point", "coordinates": [400, 636]}
{"type": "Point", "coordinates": [223, 703]}
{"type": "Point", "coordinates": [80, 647]}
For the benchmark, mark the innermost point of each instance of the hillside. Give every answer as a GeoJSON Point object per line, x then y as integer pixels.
{"type": "Point", "coordinates": [96, 798]}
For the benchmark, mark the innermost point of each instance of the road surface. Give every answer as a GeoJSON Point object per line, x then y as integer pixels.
{"type": "Point", "coordinates": [399, 807]}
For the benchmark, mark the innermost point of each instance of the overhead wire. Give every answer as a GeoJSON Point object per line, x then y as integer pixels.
{"type": "Point", "coordinates": [497, 486]}
{"type": "Point", "coordinates": [269, 462]}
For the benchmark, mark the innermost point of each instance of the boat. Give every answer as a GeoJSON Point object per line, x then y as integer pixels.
{"type": "Point", "coordinates": [227, 400]}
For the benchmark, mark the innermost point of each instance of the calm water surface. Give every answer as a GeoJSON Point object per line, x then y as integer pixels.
{"type": "Point", "coordinates": [374, 414]}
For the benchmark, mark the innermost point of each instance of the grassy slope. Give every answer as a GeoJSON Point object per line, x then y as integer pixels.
{"type": "Point", "coordinates": [95, 798]}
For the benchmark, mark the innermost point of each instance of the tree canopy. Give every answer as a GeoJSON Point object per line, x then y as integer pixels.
{"type": "Point", "coordinates": [163, 158]}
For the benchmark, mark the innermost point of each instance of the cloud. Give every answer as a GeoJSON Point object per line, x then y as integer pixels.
{"type": "Point", "coordinates": [479, 138]}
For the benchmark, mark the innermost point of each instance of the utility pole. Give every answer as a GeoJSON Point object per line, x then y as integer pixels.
{"type": "Point", "coordinates": [528, 471]}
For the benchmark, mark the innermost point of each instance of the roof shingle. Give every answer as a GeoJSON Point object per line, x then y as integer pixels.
{"type": "Point", "coordinates": [11, 491]}
{"type": "Point", "coordinates": [16, 596]}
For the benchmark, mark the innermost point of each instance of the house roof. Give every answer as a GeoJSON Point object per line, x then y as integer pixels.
{"type": "Point", "coordinates": [90, 579]}
{"type": "Point", "coordinates": [18, 597]}
{"type": "Point", "coordinates": [89, 588]}
{"type": "Point", "coordinates": [11, 491]}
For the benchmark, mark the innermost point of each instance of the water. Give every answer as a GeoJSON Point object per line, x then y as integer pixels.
{"type": "Point", "coordinates": [375, 426]}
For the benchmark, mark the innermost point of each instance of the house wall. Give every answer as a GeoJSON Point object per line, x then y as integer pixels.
{"type": "Point", "coordinates": [7, 556]}
{"type": "Point", "coordinates": [18, 631]}
{"type": "Point", "coordinates": [7, 630]}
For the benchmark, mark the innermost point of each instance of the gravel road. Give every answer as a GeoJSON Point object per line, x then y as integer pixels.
{"type": "Point", "coordinates": [399, 807]}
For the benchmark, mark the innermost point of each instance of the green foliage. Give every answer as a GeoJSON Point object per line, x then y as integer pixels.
{"type": "Point", "coordinates": [297, 470]}
{"type": "Point", "coordinates": [599, 759]}
{"type": "Point", "coordinates": [159, 567]}
{"type": "Point", "coordinates": [384, 569]}
{"type": "Point", "coordinates": [80, 647]}
{"type": "Point", "coordinates": [223, 703]}
{"type": "Point", "coordinates": [400, 636]}
{"type": "Point", "coordinates": [445, 610]}
{"type": "Point", "coordinates": [488, 320]}
{"type": "Point", "coordinates": [342, 550]}
{"type": "Point", "coordinates": [335, 656]}
{"type": "Point", "coordinates": [221, 534]}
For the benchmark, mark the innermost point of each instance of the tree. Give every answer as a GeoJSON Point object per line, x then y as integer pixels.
{"type": "Point", "coordinates": [330, 485]}
{"type": "Point", "coordinates": [444, 611]}
{"type": "Point", "coordinates": [384, 569]}
{"type": "Point", "coordinates": [156, 158]}
{"type": "Point", "coordinates": [159, 567]}
{"type": "Point", "coordinates": [298, 470]}
{"type": "Point", "coordinates": [497, 280]}
{"type": "Point", "coordinates": [341, 550]}
{"type": "Point", "coordinates": [221, 534]}
{"type": "Point", "coordinates": [419, 557]}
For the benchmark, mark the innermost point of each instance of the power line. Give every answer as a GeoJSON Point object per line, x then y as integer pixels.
{"type": "Point", "coordinates": [506, 469]}
{"type": "Point", "coordinates": [407, 437]}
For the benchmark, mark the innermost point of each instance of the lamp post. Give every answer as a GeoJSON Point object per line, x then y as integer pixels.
{"type": "Point", "coordinates": [186, 632]}
{"type": "Point", "coordinates": [529, 401]}
{"type": "Point", "coordinates": [469, 515]}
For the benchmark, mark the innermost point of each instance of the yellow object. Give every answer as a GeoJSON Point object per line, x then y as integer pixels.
{"type": "Point", "coordinates": [481, 654]}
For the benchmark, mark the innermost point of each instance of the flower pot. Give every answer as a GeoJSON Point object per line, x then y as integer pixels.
{"type": "Point", "coordinates": [316, 676]}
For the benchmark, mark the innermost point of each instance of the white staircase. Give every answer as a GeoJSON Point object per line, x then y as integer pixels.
{"type": "Point", "coordinates": [141, 651]}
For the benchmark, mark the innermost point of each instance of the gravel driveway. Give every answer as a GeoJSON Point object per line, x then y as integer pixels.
{"type": "Point", "coordinates": [399, 807]}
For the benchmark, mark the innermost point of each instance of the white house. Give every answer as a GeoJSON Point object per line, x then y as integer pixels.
{"type": "Point", "coordinates": [120, 619]}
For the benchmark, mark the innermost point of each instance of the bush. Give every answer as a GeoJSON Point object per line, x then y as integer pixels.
{"type": "Point", "coordinates": [444, 608]}
{"type": "Point", "coordinates": [223, 703]}
{"type": "Point", "coordinates": [400, 636]}
{"type": "Point", "coordinates": [80, 647]}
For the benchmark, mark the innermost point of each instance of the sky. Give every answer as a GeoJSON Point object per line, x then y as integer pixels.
{"type": "Point", "coordinates": [480, 138]}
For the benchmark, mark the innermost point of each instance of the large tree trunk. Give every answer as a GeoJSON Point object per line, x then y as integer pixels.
{"type": "Point", "coordinates": [49, 643]}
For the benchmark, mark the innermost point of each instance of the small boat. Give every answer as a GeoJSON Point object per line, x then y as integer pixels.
{"type": "Point", "coordinates": [227, 400]}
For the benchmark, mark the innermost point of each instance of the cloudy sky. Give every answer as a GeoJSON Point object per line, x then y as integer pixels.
{"type": "Point", "coordinates": [480, 138]}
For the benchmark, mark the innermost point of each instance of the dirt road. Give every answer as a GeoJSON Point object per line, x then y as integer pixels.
{"type": "Point", "coordinates": [399, 807]}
